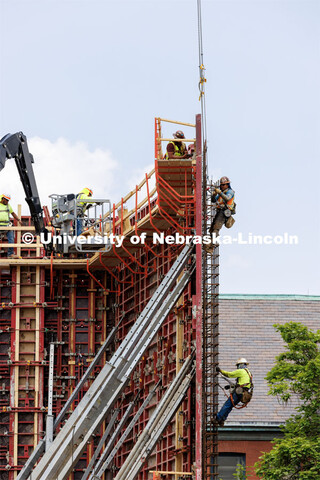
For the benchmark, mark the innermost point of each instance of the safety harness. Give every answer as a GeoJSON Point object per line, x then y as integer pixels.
{"type": "Point", "coordinates": [246, 392]}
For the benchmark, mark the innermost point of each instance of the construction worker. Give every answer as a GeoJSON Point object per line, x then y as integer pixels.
{"type": "Point", "coordinates": [223, 198]}
{"type": "Point", "coordinates": [239, 392]}
{"type": "Point", "coordinates": [85, 194]}
{"type": "Point", "coordinates": [191, 149]}
{"type": "Point", "coordinates": [177, 150]}
{"type": "Point", "coordinates": [5, 212]}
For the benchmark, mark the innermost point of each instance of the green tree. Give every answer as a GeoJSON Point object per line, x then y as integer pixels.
{"type": "Point", "coordinates": [296, 374]}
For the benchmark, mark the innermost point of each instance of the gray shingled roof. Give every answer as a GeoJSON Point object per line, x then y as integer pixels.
{"type": "Point", "coordinates": [246, 329]}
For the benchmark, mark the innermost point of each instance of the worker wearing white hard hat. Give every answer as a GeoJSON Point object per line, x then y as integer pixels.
{"type": "Point", "coordinates": [5, 212]}
{"type": "Point", "coordinates": [240, 392]}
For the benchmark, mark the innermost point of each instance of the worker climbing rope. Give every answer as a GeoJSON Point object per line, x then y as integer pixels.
{"type": "Point", "coordinates": [241, 391]}
{"type": "Point", "coordinates": [223, 199]}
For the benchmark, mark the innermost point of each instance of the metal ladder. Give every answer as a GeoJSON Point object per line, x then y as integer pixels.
{"type": "Point", "coordinates": [210, 348]}
{"type": "Point", "coordinates": [109, 452]}
{"type": "Point", "coordinates": [160, 418]}
{"type": "Point", "coordinates": [58, 462]}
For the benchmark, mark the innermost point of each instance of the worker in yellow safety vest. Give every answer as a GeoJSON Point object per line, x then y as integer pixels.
{"type": "Point", "coordinates": [177, 149]}
{"type": "Point", "coordinates": [240, 392]}
{"type": "Point", "coordinates": [5, 212]}
{"type": "Point", "coordinates": [85, 194]}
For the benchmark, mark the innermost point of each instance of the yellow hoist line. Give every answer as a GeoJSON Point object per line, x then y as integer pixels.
{"type": "Point", "coordinates": [201, 81]}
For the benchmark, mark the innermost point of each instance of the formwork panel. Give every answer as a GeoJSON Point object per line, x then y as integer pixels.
{"type": "Point", "coordinates": [76, 309]}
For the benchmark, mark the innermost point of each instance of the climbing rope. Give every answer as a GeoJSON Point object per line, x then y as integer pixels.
{"type": "Point", "coordinates": [202, 80]}
{"type": "Point", "coordinates": [231, 398]}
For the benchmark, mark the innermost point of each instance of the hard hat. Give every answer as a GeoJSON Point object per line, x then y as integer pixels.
{"type": "Point", "coordinates": [7, 197]}
{"type": "Point", "coordinates": [178, 134]}
{"type": "Point", "coordinates": [242, 360]}
{"type": "Point", "coordinates": [224, 180]}
{"type": "Point", "coordinates": [87, 191]}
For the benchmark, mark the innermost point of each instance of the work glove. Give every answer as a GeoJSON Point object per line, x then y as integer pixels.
{"type": "Point", "coordinates": [217, 190]}
{"type": "Point", "coordinates": [218, 369]}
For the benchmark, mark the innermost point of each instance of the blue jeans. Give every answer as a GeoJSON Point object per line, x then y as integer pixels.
{"type": "Point", "coordinates": [10, 237]}
{"type": "Point", "coordinates": [228, 406]}
{"type": "Point", "coordinates": [79, 226]}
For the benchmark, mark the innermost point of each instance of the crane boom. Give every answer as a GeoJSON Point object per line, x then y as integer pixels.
{"type": "Point", "coordinates": [16, 146]}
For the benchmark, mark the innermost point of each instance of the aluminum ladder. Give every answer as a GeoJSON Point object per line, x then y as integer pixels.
{"type": "Point", "coordinates": [160, 418]}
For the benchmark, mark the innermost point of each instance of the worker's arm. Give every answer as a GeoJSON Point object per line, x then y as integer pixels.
{"type": "Point", "coordinates": [16, 217]}
{"type": "Point", "coordinates": [234, 374]}
{"type": "Point", "coordinates": [178, 157]}
{"type": "Point", "coordinates": [241, 374]}
{"type": "Point", "coordinates": [170, 152]}
{"type": "Point", "coordinates": [226, 196]}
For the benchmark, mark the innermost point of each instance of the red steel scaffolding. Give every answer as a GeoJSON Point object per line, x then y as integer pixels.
{"type": "Point", "coordinates": [75, 304]}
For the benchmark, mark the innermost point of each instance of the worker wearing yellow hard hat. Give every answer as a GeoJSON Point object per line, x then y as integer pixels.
{"type": "Point", "coordinates": [85, 194]}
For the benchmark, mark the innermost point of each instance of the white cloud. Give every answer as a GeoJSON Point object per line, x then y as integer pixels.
{"type": "Point", "coordinates": [62, 167]}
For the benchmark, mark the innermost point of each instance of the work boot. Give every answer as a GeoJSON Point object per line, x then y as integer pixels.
{"type": "Point", "coordinates": [217, 422]}
{"type": "Point", "coordinates": [209, 248]}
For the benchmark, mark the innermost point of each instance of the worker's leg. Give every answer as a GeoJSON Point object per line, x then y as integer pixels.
{"type": "Point", "coordinates": [216, 225]}
{"type": "Point", "coordinates": [79, 226]}
{"type": "Point", "coordinates": [217, 222]}
{"type": "Point", "coordinates": [10, 237]}
{"type": "Point", "coordinates": [228, 406]}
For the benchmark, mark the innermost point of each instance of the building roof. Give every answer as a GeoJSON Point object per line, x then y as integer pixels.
{"type": "Point", "coordinates": [246, 330]}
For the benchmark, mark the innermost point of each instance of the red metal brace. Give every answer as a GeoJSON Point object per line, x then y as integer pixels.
{"type": "Point", "coordinates": [112, 274]}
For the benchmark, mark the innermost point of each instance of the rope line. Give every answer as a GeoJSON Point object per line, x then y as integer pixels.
{"type": "Point", "coordinates": [202, 80]}
{"type": "Point", "coordinates": [231, 398]}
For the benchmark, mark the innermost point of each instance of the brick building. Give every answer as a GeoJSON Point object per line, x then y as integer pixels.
{"type": "Point", "coordinates": [246, 329]}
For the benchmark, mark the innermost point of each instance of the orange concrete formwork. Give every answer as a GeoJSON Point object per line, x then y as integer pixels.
{"type": "Point", "coordinates": [169, 205]}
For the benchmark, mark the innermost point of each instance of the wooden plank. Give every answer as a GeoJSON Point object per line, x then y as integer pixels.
{"type": "Point", "coordinates": [16, 370]}
{"type": "Point", "coordinates": [174, 121]}
{"type": "Point", "coordinates": [72, 262]}
{"type": "Point", "coordinates": [21, 245]}
{"type": "Point", "coordinates": [19, 232]}
{"type": "Point", "coordinates": [37, 357]}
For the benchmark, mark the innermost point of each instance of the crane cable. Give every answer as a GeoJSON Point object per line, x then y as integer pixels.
{"type": "Point", "coordinates": [202, 80]}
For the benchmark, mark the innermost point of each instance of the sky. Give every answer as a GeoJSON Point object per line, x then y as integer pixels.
{"type": "Point", "coordinates": [84, 79]}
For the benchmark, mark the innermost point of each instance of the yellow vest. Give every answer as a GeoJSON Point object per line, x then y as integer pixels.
{"type": "Point", "coordinates": [179, 150]}
{"type": "Point", "coordinates": [5, 211]}
{"type": "Point", "coordinates": [241, 374]}
{"type": "Point", "coordinates": [83, 195]}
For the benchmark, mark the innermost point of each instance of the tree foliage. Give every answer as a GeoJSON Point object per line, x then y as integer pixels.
{"type": "Point", "coordinates": [296, 374]}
